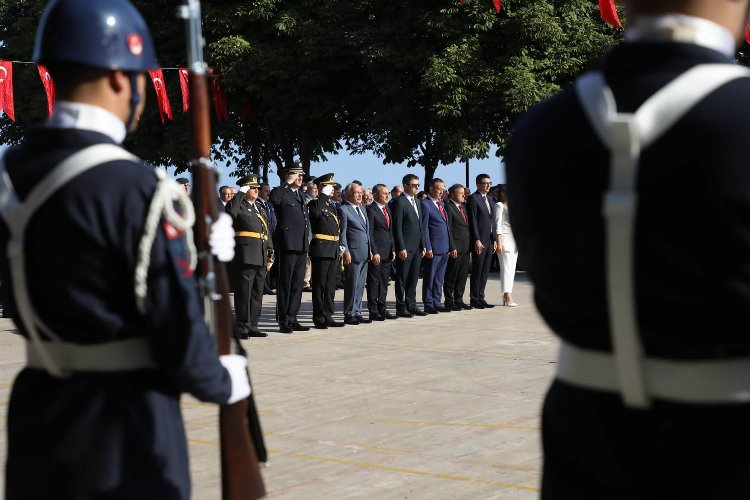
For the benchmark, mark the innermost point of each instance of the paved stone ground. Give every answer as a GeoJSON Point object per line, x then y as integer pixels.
{"type": "Point", "coordinates": [441, 407]}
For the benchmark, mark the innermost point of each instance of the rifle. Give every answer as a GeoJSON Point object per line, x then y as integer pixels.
{"type": "Point", "coordinates": [241, 439]}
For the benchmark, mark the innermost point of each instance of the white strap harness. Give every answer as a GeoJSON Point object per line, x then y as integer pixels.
{"type": "Point", "coordinates": [626, 135]}
{"type": "Point", "coordinates": [61, 358]}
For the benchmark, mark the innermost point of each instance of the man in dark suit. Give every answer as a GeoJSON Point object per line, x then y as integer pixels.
{"type": "Point", "coordinates": [253, 244]}
{"type": "Point", "coordinates": [293, 245]}
{"type": "Point", "coordinates": [407, 239]}
{"type": "Point", "coordinates": [437, 242]}
{"type": "Point", "coordinates": [460, 255]}
{"type": "Point", "coordinates": [271, 276]}
{"type": "Point", "coordinates": [355, 240]}
{"type": "Point", "coordinates": [481, 214]}
{"type": "Point", "coordinates": [324, 252]}
{"type": "Point", "coordinates": [383, 252]}
{"type": "Point", "coordinates": [647, 402]}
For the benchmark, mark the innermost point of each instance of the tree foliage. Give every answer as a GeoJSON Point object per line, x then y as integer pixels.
{"type": "Point", "coordinates": [422, 82]}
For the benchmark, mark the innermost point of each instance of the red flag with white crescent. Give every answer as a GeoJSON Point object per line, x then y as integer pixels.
{"type": "Point", "coordinates": [6, 89]}
{"type": "Point", "coordinates": [157, 78]}
{"type": "Point", "coordinates": [185, 88]}
{"type": "Point", "coordinates": [219, 96]}
{"type": "Point", "coordinates": [609, 13]}
{"type": "Point", "coordinates": [49, 87]}
{"type": "Point", "coordinates": [498, 4]}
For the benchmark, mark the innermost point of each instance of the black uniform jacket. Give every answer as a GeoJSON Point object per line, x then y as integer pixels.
{"type": "Point", "coordinates": [381, 237]}
{"type": "Point", "coordinates": [292, 219]}
{"type": "Point", "coordinates": [481, 221]}
{"type": "Point", "coordinates": [119, 433]}
{"type": "Point", "coordinates": [406, 225]}
{"type": "Point", "coordinates": [460, 237]}
{"type": "Point", "coordinates": [246, 217]}
{"type": "Point", "coordinates": [324, 219]}
{"type": "Point", "coordinates": [692, 236]}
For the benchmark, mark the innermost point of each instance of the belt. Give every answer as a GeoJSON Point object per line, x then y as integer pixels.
{"type": "Point", "coordinates": [328, 237]}
{"type": "Point", "coordinates": [686, 381]}
{"type": "Point", "coordinates": [251, 234]}
{"type": "Point", "coordinates": [112, 356]}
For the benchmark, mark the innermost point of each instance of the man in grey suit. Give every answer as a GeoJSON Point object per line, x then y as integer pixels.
{"type": "Point", "coordinates": [355, 240]}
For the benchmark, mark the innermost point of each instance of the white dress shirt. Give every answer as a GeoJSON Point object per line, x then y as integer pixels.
{"type": "Point", "coordinates": [68, 114]}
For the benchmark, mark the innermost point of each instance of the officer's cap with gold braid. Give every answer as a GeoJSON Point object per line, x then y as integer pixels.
{"type": "Point", "coordinates": [325, 179]}
{"type": "Point", "coordinates": [249, 180]}
{"type": "Point", "coordinates": [295, 169]}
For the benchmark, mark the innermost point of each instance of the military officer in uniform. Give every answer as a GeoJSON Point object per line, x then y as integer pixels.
{"type": "Point", "coordinates": [253, 245]}
{"type": "Point", "coordinates": [112, 319]}
{"type": "Point", "coordinates": [293, 245]}
{"type": "Point", "coordinates": [652, 392]}
{"type": "Point", "coordinates": [324, 252]}
{"type": "Point", "coordinates": [185, 183]}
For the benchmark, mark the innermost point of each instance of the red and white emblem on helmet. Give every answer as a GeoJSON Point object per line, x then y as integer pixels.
{"type": "Point", "coordinates": [135, 44]}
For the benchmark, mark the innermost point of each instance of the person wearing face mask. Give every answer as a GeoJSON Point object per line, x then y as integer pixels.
{"type": "Point", "coordinates": [113, 322]}
{"type": "Point", "coordinates": [651, 395]}
{"type": "Point", "coordinates": [292, 229]}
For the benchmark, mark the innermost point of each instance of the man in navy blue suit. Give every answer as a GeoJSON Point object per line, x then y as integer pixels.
{"type": "Point", "coordinates": [437, 242]}
{"type": "Point", "coordinates": [355, 239]}
{"type": "Point", "coordinates": [407, 238]}
{"type": "Point", "coordinates": [481, 211]}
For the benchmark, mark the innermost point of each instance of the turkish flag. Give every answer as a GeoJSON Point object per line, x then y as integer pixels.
{"type": "Point", "coordinates": [219, 96]}
{"type": "Point", "coordinates": [49, 87]}
{"type": "Point", "coordinates": [157, 78]}
{"type": "Point", "coordinates": [609, 13]}
{"type": "Point", "coordinates": [6, 89]}
{"type": "Point", "coordinates": [498, 4]}
{"type": "Point", "coordinates": [185, 87]}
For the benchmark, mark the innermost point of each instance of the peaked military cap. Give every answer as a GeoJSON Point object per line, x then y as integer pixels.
{"type": "Point", "coordinates": [324, 179]}
{"type": "Point", "coordinates": [249, 180]}
{"type": "Point", "coordinates": [296, 169]}
{"type": "Point", "coordinates": [182, 180]}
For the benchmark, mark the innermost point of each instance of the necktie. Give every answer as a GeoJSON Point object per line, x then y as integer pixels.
{"type": "Point", "coordinates": [486, 203]}
{"type": "Point", "coordinates": [440, 208]}
{"type": "Point", "coordinates": [463, 214]}
{"type": "Point", "coordinates": [387, 219]}
{"type": "Point", "coordinates": [359, 211]}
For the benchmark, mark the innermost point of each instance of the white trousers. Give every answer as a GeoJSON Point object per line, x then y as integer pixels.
{"type": "Point", "coordinates": [508, 260]}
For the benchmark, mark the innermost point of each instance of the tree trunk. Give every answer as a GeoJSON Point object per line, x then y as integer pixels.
{"type": "Point", "coordinates": [429, 174]}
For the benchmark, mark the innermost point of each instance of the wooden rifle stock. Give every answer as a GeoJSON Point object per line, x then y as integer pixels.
{"type": "Point", "coordinates": [240, 472]}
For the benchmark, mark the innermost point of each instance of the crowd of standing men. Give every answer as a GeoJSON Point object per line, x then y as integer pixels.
{"type": "Point", "coordinates": [304, 236]}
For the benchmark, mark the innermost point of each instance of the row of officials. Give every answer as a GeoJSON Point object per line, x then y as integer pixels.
{"type": "Point", "coordinates": [366, 243]}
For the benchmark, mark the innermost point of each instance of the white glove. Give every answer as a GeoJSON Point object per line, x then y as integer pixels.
{"type": "Point", "coordinates": [244, 189]}
{"type": "Point", "coordinates": [221, 239]}
{"type": "Point", "coordinates": [327, 190]}
{"type": "Point", "coordinates": [236, 366]}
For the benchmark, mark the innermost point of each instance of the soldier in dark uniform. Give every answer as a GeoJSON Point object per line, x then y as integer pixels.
{"type": "Point", "coordinates": [248, 270]}
{"type": "Point", "coordinates": [324, 252]}
{"type": "Point", "coordinates": [112, 319]}
{"type": "Point", "coordinates": [185, 183]}
{"type": "Point", "coordinates": [652, 393]}
{"type": "Point", "coordinates": [293, 245]}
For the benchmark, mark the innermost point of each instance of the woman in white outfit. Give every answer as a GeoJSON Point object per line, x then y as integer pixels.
{"type": "Point", "coordinates": [506, 247]}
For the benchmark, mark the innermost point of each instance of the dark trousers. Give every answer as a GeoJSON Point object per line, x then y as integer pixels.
{"type": "Point", "coordinates": [456, 274]}
{"type": "Point", "coordinates": [432, 280]}
{"type": "Point", "coordinates": [377, 286]}
{"type": "Point", "coordinates": [407, 276]}
{"type": "Point", "coordinates": [291, 279]}
{"type": "Point", "coordinates": [247, 284]}
{"type": "Point", "coordinates": [480, 271]}
{"type": "Point", "coordinates": [323, 282]}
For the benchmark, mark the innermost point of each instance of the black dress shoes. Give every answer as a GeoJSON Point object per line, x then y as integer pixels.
{"type": "Point", "coordinates": [285, 329]}
{"type": "Point", "coordinates": [363, 320]}
{"type": "Point", "coordinates": [377, 317]}
{"type": "Point", "coordinates": [299, 328]}
{"type": "Point", "coordinates": [320, 326]}
{"type": "Point", "coordinates": [457, 307]}
{"type": "Point", "coordinates": [486, 305]}
{"type": "Point", "coordinates": [404, 314]}
{"type": "Point", "coordinates": [445, 309]}
{"type": "Point", "coordinates": [334, 324]}
{"type": "Point", "coordinates": [429, 310]}
{"type": "Point", "coordinates": [388, 315]}
{"type": "Point", "coordinates": [477, 305]}
{"type": "Point", "coordinates": [256, 333]}
{"type": "Point", "coordinates": [351, 321]}
{"type": "Point", "coordinates": [466, 306]}
{"type": "Point", "coordinates": [418, 312]}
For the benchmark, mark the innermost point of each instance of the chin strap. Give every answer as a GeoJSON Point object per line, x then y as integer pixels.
{"type": "Point", "coordinates": [135, 99]}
